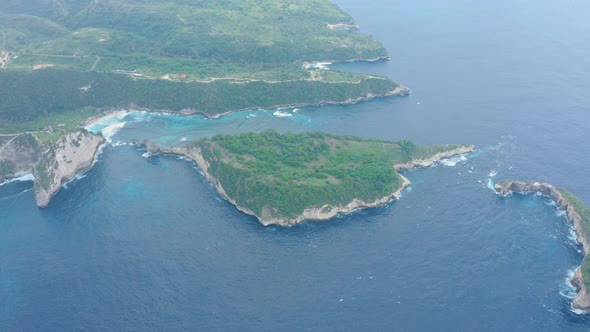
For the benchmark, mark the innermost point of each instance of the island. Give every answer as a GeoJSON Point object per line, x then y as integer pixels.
{"type": "Point", "coordinates": [285, 179]}
{"type": "Point", "coordinates": [577, 213]}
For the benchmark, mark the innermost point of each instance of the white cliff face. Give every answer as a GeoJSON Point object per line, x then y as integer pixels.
{"type": "Point", "coordinates": [61, 161]}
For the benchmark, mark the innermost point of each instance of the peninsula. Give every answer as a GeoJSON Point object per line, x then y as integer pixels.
{"type": "Point", "coordinates": [285, 179]}
{"type": "Point", "coordinates": [577, 213]}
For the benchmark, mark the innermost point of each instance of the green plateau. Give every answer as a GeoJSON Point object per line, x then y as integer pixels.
{"type": "Point", "coordinates": [277, 177]}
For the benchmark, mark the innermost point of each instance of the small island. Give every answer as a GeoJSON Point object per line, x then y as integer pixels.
{"type": "Point", "coordinates": [285, 179]}
{"type": "Point", "coordinates": [577, 213]}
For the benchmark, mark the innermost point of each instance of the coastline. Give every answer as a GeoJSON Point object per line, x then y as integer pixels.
{"type": "Point", "coordinates": [505, 188]}
{"type": "Point", "coordinates": [400, 91]}
{"type": "Point", "coordinates": [323, 213]}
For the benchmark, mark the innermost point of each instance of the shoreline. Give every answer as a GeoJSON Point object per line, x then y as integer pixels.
{"type": "Point", "coordinates": [427, 162]}
{"type": "Point", "coordinates": [399, 91]}
{"type": "Point", "coordinates": [562, 203]}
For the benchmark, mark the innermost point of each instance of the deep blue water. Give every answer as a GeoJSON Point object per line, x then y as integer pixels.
{"type": "Point", "coordinates": [146, 244]}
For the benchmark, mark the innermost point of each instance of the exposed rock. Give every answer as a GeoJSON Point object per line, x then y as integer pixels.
{"type": "Point", "coordinates": [582, 300]}
{"type": "Point", "coordinates": [61, 161]}
{"type": "Point", "coordinates": [151, 147]}
{"type": "Point", "coordinates": [434, 159]}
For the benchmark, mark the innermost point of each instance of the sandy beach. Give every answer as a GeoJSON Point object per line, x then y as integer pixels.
{"type": "Point", "coordinates": [93, 121]}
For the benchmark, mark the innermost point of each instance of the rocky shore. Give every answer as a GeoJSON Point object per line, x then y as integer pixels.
{"type": "Point", "coordinates": [582, 300]}
{"type": "Point", "coordinates": [322, 213]}
{"type": "Point", "coordinates": [426, 162]}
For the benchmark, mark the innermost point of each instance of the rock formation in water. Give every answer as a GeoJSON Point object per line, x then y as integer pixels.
{"type": "Point", "coordinates": [572, 206]}
{"type": "Point", "coordinates": [316, 210]}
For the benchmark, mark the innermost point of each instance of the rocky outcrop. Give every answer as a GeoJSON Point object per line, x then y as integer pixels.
{"type": "Point", "coordinates": [426, 162]}
{"type": "Point", "coordinates": [582, 300]}
{"type": "Point", "coordinates": [18, 154]}
{"type": "Point", "coordinates": [61, 161]}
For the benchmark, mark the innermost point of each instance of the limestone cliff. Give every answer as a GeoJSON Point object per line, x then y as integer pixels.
{"type": "Point", "coordinates": [582, 300]}
{"type": "Point", "coordinates": [61, 161]}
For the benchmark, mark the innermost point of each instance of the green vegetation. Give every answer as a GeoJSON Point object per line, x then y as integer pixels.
{"type": "Point", "coordinates": [63, 61]}
{"type": "Point", "coordinates": [61, 98]}
{"type": "Point", "coordinates": [280, 175]}
{"type": "Point", "coordinates": [584, 212]}
{"type": "Point", "coordinates": [204, 39]}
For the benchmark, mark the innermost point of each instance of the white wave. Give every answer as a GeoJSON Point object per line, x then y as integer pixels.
{"type": "Point", "coordinates": [112, 130]}
{"type": "Point", "coordinates": [453, 161]}
{"type": "Point", "coordinates": [119, 143]}
{"type": "Point", "coordinates": [145, 155]}
{"type": "Point", "coordinates": [184, 139]}
{"type": "Point", "coordinates": [251, 116]}
{"type": "Point", "coordinates": [572, 235]}
{"type": "Point", "coordinates": [492, 174]}
{"type": "Point", "coordinates": [568, 290]}
{"type": "Point", "coordinates": [490, 185]}
{"type": "Point", "coordinates": [80, 176]}
{"type": "Point", "coordinates": [282, 114]}
{"type": "Point", "coordinates": [550, 203]}
{"type": "Point", "coordinates": [295, 110]}
{"type": "Point", "coordinates": [24, 177]}
{"type": "Point", "coordinates": [579, 311]}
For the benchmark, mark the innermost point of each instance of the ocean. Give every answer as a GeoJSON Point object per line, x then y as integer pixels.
{"type": "Point", "coordinates": [146, 244]}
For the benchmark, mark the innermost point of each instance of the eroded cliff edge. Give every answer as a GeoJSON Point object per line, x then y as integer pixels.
{"type": "Point", "coordinates": [577, 213]}
{"type": "Point", "coordinates": [61, 161]}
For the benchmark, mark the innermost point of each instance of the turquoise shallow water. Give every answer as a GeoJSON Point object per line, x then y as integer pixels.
{"type": "Point", "coordinates": [146, 243]}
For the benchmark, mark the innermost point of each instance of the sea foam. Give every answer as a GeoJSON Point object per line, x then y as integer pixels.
{"type": "Point", "coordinates": [282, 114]}
{"type": "Point", "coordinates": [453, 161]}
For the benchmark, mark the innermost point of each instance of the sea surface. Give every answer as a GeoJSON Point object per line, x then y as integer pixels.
{"type": "Point", "coordinates": [146, 244]}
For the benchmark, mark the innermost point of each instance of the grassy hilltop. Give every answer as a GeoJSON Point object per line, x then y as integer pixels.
{"type": "Point", "coordinates": [280, 175]}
